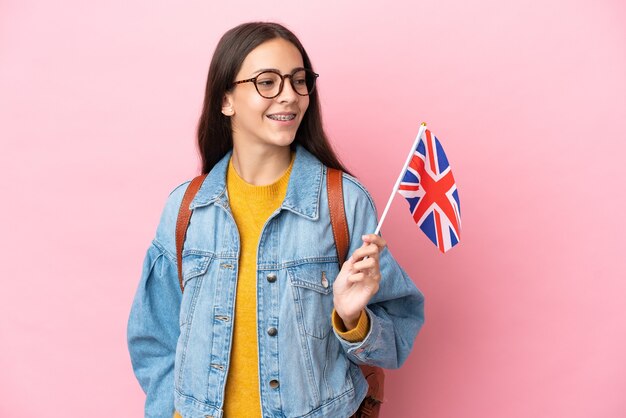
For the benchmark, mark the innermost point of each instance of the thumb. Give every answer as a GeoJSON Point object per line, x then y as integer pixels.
{"type": "Point", "coordinates": [347, 266]}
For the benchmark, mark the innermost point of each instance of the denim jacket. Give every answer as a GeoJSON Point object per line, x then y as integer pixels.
{"type": "Point", "coordinates": [180, 343]}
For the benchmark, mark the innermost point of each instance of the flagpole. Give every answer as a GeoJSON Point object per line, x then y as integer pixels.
{"type": "Point", "coordinates": [397, 185]}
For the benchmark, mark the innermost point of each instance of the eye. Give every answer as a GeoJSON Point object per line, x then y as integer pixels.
{"type": "Point", "coordinates": [265, 82]}
{"type": "Point", "coordinates": [299, 80]}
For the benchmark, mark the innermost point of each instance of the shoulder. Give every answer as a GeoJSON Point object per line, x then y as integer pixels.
{"type": "Point", "coordinates": [176, 195]}
{"type": "Point", "coordinates": [356, 194]}
{"type": "Point", "coordinates": [360, 210]}
{"type": "Point", "coordinates": [172, 204]}
{"type": "Point", "coordinates": [166, 230]}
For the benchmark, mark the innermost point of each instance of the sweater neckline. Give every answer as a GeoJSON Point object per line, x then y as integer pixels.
{"type": "Point", "coordinates": [234, 180]}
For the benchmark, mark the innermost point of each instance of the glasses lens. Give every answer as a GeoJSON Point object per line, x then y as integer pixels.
{"type": "Point", "coordinates": [268, 84]}
{"type": "Point", "coordinates": [303, 82]}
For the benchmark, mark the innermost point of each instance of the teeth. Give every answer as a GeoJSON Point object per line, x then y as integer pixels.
{"type": "Point", "coordinates": [282, 117]}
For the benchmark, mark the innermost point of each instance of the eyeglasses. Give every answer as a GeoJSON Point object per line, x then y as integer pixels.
{"type": "Point", "coordinates": [269, 83]}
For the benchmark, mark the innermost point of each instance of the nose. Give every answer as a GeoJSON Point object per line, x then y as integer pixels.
{"type": "Point", "coordinates": [288, 94]}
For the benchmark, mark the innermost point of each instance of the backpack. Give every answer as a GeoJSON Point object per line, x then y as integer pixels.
{"type": "Point", "coordinates": [375, 376]}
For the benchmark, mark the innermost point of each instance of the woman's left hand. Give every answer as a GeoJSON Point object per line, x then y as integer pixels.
{"type": "Point", "coordinates": [358, 280]}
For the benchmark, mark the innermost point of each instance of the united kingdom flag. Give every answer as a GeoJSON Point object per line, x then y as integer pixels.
{"type": "Point", "coordinates": [429, 187]}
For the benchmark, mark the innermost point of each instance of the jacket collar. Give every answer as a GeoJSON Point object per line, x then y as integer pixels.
{"type": "Point", "coordinates": [303, 191]}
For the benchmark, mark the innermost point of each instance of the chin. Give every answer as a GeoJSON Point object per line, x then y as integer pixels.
{"type": "Point", "coordinates": [283, 141]}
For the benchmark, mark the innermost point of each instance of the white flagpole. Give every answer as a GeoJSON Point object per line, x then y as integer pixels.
{"type": "Point", "coordinates": [395, 188]}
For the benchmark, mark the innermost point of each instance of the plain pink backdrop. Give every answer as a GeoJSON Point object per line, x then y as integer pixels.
{"type": "Point", "coordinates": [525, 318]}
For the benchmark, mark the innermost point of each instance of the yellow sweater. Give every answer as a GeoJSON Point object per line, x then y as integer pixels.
{"type": "Point", "coordinates": [251, 207]}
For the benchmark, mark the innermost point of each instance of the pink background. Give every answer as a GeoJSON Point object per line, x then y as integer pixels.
{"type": "Point", "coordinates": [525, 318]}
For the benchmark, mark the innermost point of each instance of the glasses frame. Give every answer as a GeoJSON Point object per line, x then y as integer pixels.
{"type": "Point", "coordinates": [282, 81]}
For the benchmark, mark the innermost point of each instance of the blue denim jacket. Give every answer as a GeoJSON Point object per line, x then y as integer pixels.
{"type": "Point", "coordinates": [180, 344]}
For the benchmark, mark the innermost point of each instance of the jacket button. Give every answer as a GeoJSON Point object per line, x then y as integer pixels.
{"type": "Point", "coordinates": [272, 331]}
{"type": "Point", "coordinates": [324, 280]}
{"type": "Point", "coordinates": [271, 277]}
{"type": "Point", "coordinates": [274, 383]}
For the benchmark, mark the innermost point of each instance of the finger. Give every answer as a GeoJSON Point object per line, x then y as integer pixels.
{"type": "Point", "coordinates": [355, 278]}
{"type": "Point", "coordinates": [370, 250]}
{"type": "Point", "coordinates": [371, 277]}
{"type": "Point", "coordinates": [347, 265]}
{"type": "Point", "coordinates": [375, 239]}
{"type": "Point", "coordinates": [366, 264]}
{"type": "Point", "coordinates": [364, 280]}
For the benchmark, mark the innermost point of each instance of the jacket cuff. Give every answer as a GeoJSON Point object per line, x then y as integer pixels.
{"type": "Point", "coordinates": [356, 334]}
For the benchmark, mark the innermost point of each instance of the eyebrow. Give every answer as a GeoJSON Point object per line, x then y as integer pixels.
{"type": "Point", "coordinates": [257, 72]}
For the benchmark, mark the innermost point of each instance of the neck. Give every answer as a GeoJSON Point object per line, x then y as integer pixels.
{"type": "Point", "coordinates": [261, 166]}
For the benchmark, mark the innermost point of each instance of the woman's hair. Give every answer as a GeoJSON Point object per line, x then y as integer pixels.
{"type": "Point", "coordinates": [214, 128]}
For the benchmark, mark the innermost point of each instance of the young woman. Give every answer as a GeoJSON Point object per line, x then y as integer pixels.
{"type": "Point", "coordinates": [267, 326]}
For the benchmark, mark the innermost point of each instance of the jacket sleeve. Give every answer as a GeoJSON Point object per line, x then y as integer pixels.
{"type": "Point", "coordinates": [153, 324]}
{"type": "Point", "coordinates": [396, 312]}
{"type": "Point", "coordinates": [153, 331]}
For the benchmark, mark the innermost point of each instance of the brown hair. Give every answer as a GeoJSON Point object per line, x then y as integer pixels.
{"type": "Point", "coordinates": [214, 129]}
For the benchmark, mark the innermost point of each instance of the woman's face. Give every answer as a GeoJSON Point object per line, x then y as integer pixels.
{"type": "Point", "coordinates": [259, 122]}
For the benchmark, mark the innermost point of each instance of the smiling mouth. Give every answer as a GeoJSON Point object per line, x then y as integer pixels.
{"type": "Point", "coordinates": [282, 117]}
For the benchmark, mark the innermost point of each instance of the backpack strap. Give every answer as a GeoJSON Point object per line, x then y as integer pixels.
{"type": "Point", "coordinates": [375, 376]}
{"type": "Point", "coordinates": [182, 222]}
{"type": "Point", "coordinates": [337, 213]}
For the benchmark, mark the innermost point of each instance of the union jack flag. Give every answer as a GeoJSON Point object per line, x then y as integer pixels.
{"type": "Point", "coordinates": [429, 187]}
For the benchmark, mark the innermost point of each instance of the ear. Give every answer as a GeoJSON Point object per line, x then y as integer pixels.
{"type": "Point", "coordinates": [227, 106]}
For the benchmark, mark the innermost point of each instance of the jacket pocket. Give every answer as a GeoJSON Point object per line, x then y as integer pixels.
{"type": "Point", "coordinates": [195, 266]}
{"type": "Point", "coordinates": [312, 287]}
